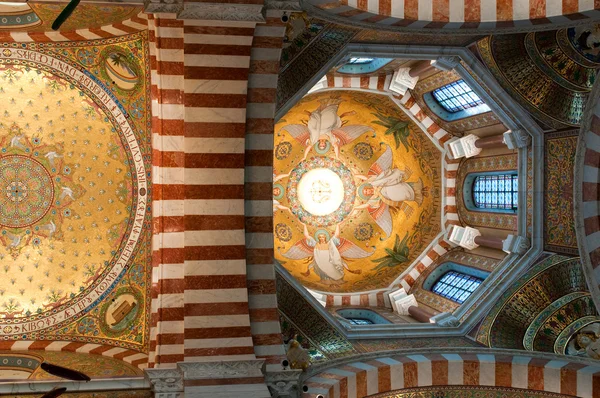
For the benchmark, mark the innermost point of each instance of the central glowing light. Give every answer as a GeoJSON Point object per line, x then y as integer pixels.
{"type": "Point", "coordinates": [320, 191]}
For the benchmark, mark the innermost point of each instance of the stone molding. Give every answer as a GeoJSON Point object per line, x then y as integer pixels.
{"type": "Point", "coordinates": [211, 11]}
{"type": "Point", "coordinates": [515, 244]}
{"type": "Point", "coordinates": [283, 5]}
{"type": "Point", "coordinates": [464, 237]}
{"type": "Point", "coordinates": [515, 139]}
{"type": "Point", "coordinates": [284, 383]}
{"type": "Point", "coordinates": [445, 319]}
{"type": "Point", "coordinates": [165, 382]}
{"type": "Point", "coordinates": [222, 369]}
{"type": "Point", "coordinates": [446, 63]}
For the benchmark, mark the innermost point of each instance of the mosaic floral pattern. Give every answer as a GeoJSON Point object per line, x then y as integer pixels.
{"type": "Point", "coordinates": [466, 392]}
{"type": "Point", "coordinates": [559, 227]}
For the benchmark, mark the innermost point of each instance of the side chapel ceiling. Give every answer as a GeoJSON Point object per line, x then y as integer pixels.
{"type": "Point", "coordinates": [372, 200]}
{"type": "Point", "coordinates": [75, 203]}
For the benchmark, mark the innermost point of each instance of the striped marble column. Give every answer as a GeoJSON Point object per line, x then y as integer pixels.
{"type": "Point", "coordinates": [167, 319]}
{"type": "Point", "coordinates": [262, 87]}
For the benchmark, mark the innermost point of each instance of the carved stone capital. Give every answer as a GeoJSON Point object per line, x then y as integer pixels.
{"type": "Point", "coordinates": [166, 383]}
{"type": "Point", "coordinates": [223, 12]}
{"type": "Point", "coordinates": [464, 146]}
{"type": "Point", "coordinates": [402, 81]}
{"type": "Point", "coordinates": [515, 244]}
{"type": "Point", "coordinates": [283, 5]}
{"type": "Point", "coordinates": [517, 139]}
{"type": "Point", "coordinates": [284, 383]}
{"type": "Point", "coordinates": [446, 63]}
{"type": "Point", "coordinates": [464, 237]}
{"type": "Point", "coordinates": [445, 319]}
{"type": "Point", "coordinates": [163, 6]}
{"type": "Point", "coordinates": [222, 369]}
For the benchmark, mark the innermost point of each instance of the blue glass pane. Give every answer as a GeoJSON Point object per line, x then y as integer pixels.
{"type": "Point", "coordinates": [360, 60]}
{"type": "Point", "coordinates": [495, 191]}
{"type": "Point", "coordinates": [456, 286]}
{"type": "Point", "coordinates": [456, 96]}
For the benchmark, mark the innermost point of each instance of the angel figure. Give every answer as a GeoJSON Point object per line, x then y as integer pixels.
{"type": "Point", "coordinates": [326, 256]}
{"type": "Point", "coordinates": [385, 187]}
{"type": "Point", "coordinates": [586, 342]}
{"type": "Point", "coordinates": [325, 125]}
{"type": "Point", "coordinates": [278, 194]}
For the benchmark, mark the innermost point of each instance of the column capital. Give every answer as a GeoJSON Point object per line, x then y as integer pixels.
{"type": "Point", "coordinates": [283, 5]}
{"type": "Point", "coordinates": [464, 147]}
{"type": "Point", "coordinates": [515, 244]}
{"type": "Point", "coordinates": [402, 81]}
{"type": "Point", "coordinates": [446, 63]}
{"type": "Point", "coordinates": [165, 382]}
{"type": "Point", "coordinates": [163, 6]}
{"type": "Point", "coordinates": [445, 319]}
{"type": "Point", "coordinates": [284, 383]}
{"type": "Point", "coordinates": [515, 139]}
{"type": "Point", "coordinates": [464, 237]}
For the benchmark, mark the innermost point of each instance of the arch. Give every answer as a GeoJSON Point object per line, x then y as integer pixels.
{"type": "Point", "coordinates": [363, 376]}
{"type": "Point", "coordinates": [586, 193]}
{"type": "Point", "coordinates": [471, 189]}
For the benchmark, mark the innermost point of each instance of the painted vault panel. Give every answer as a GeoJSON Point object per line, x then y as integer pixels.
{"type": "Point", "coordinates": [75, 161]}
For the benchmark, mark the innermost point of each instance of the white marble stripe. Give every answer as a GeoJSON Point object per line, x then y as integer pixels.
{"type": "Point", "coordinates": [520, 372]}
{"type": "Point", "coordinates": [585, 5]}
{"type": "Point", "coordinates": [269, 350]}
{"type": "Point", "coordinates": [21, 36]}
{"type": "Point", "coordinates": [169, 54]}
{"type": "Point", "coordinates": [585, 381]}
{"type": "Point", "coordinates": [215, 343]}
{"type": "Point", "coordinates": [172, 300]}
{"type": "Point", "coordinates": [258, 208]}
{"type": "Point", "coordinates": [55, 36]}
{"type": "Point", "coordinates": [214, 207]}
{"type": "Point", "coordinates": [168, 111]}
{"type": "Point", "coordinates": [167, 82]}
{"type": "Point", "coordinates": [216, 321]}
{"type": "Point", "coordinates": [168, 143]}
{"type": "Point", "coordinates": [521, 10]}
{"type": "Point", "coordinates": [372, 376]}
{"type": "Point", "coordinates": [135, 25]}
{"type": "Point", "coordinates": [373, 6]}
{"type": "Point", "coordinates": [169, 349]}
{"type": "Point", "coordinates": [455, 369]}
{"type": "Point", "coordinates": [201, 86]}
{"type": "Point", "coordinates": [396, 372]}
{"type": "Point", "coordinates": [214, 145]}
{"type": "Point", "coordinates": [590, 209]}
{"type": "Point", "coordinates": [265, 54]}
{"type": "Point", "coordinates": [215, 238]}
{"type": "Point", "coordinates": [259, 240]}
{"type": "Point", "coordinates": [487, 370]}
{"type": "Point", "coordinates": [439, 249]}
{"type": "Point", "coordinates": [214, 115]}
{"type": "Point", "coordinates": [593, 241]}
{"type": "Point", "coordinates": [169, 32]}
{"type": "Point", "coordinates": [87, 348]}
{"type": "Point", "coordinates": [113, 31]}
{"type": "Point", "coordinates": [214, 267]}
{"type": "Point", "coordinates": [269, 327]}
{"type": "Point", "coordinates": [591, 174]}
{"type": "Point", "coordinates": [259, 142]}
{"type": "Point", "coordinates": [350, 378]}
{"type": "Point", "coordinates": [337, 300]}
{"type": "Point", "coordinates": [398, 8]}
{"type": "Point", "coordinates": [135, 357]}
{"type": "Point", "coordinates": [113, 351]}
{"type": "Point", "coordinates": [87, 34]}
{"type": "Point", "coordinates": [166, 176]}
{"type": "Point", "coordinates": [57, 345]}
{"type": "Point", "coordinates": [457, 10]}
{"type": "Point", "coordinates": [425, 11]}
{"type": "Point", "coordinates": [269, 31]}
{"type": "Point", "coordinates": [230, 40]}
{"type": "Point", "coordinates": [260, 301]}
{"type": "Point", "coordinates": [219, 23]}
{"type": "Point", "coordinates": [204, 296]}
{"type": "Point", "coordinates": [259, 174]}
{"type": "Point", "coordinates": [217, 61]}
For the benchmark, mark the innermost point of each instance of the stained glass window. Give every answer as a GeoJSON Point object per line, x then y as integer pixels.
{"type": "Point", "coordinates": [361, 60]}
{"type": "Point", "coordinates": [456, 96]}
{"type": "Point", "coordinates": [359, 321]}
{"type": "Point", "coordinates": [496, 191]}
{"type": "Point", "coordinates": [456, 286]}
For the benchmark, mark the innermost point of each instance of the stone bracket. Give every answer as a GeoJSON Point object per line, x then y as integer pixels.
{"type": "Point", "coordinates": [402, 81]}
{"type": "Point", "coordinates": [517, 139]}
{"type": "Point", "coordinates": [464, 147]}
{"type": "Point", "coordinates": [401, 301]}
{"type": "Point", "coordinates": [284, 383]}
{"type": "Point", "coordinates": [515, 244]}
{"type": "Point", "coordinates": [446, 63]}
{"type": "Point", "coordinates": [464, 237]}
{"type": "Point", "coordinates": [445, 319]}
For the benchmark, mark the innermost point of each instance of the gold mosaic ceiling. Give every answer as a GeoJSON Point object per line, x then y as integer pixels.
{"type": "Point", "coordinates": [74, 192]}
{"type": "Point", "coordinates": [356, 191]}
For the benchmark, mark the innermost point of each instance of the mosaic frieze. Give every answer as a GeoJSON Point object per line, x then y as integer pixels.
{"type": "Point", "coordinates": [75, 163]}
{"type": "Point", "coordinates": [467, 392]}
{"type": "Point", "coordinates": [482, 218]}
{"type": "Point", "coordinates": [559, 224]}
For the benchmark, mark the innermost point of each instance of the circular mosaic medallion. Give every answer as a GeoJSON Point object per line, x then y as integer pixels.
{"type": "Point", "coordinates": [364, 231]}
{"type": "Point", "coordinates": [27, 191]}
{"type": "Point", "coordinates": [283, 232]}
{"type": "Point", "coordinates": [363, 151]}
{"type": "Point", "coordinates": [336, 191]}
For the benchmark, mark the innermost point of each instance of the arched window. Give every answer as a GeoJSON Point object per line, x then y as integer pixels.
{"type": "Point", "coordinates": [361, 316]}
{"type": "Point", "coordinates": [456, 286]}
{"type": "Point", "coordinates": [359, 321]}
{"type": "Point", "coordinates": [360, 60]}
{"type": "Point", "coordinates": [498, 191]}
{"type": "Point", "coordinates": [456, 96]}
{"type": "Point", "coordinates": [361, 65]}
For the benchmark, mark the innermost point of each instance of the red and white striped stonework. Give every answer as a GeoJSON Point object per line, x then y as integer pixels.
{"type": "Point", "coordinates": [462, 14]}
{"type": "Point", "coordinates": [381, 83]}
{"type": "Point", "coordinates": [168, 162]}
{"type": "Point", "coordinates": [261, 103]}
{"type": "Point", "coordinates": [132, 25]}
{"type": "Point", "coordinates": [587, 193]}
{"type": "Point", "coordinates": [364, 378]}
{"type": "Point", "coordinates": [214, 289]}
{"type": "Point", "coordinates": [130, 356]}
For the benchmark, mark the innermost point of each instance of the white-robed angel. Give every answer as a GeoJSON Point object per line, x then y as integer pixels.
{"type": "Point", "coordinates": [326, 256]}
{"type": "Point", "coordinates": [325, 125]}
{"type": "Point", "coordinates": [278, 192]}
{"type": "Point", "coordinates": [386, 187]}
